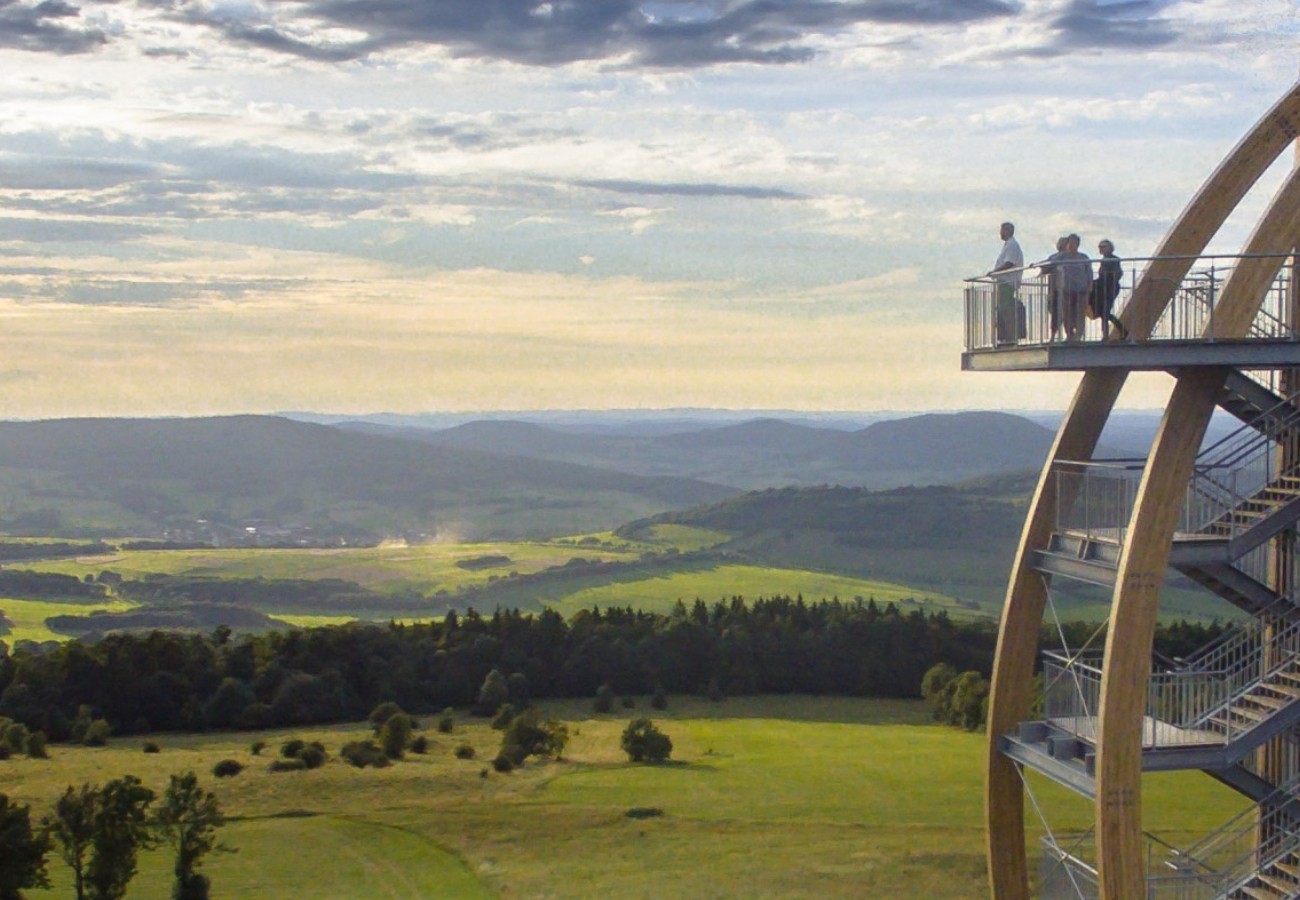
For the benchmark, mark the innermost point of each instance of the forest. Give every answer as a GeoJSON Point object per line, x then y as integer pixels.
{"type": "Point", "coordinates": [171, 681]}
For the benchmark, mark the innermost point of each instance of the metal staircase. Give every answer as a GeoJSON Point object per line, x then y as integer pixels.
{"type": "Point", "coordinates": [1253, 856]}
{"type": "Point", "coordinates": [1214, 710]}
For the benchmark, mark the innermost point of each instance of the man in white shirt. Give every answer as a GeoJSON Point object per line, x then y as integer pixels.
{"type": "Point", "coordinates": [1011, 258]}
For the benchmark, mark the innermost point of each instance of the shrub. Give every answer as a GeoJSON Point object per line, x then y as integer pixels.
{"type": "Point", "coordinates": [420, 745]}
{"type": "Point", "coordinates": [364, 753]}
{"type": "Point", "coordinates": [447, 721]}
{"type": "Point", "coordinates": [36, 742]}
{"type": "Point", "coordinates": [643, 742]}
{"type": "Point", "coordinates": [151, 747]}
{"type": "Point", "coordinates": [382, 713]}
{"type": "Point", "coordinates": [312, 756]}
{"type": "Point", "coordinates": [659, 700]}
{"type": "Point", "coordinates": [288, 765]}
{"type": "Point", "coordinates": [529, 736]}
{"type": "Point", "coordinates": [505, 715]}
{"type": "Point", "coordinates": [15, 737]}
{"type": "Point", "coordinates": [629, 703]}
{"type": "Point", "coordinates": [936, 688]}
{"type": "Point", "coordinates": [464, 751]}
{"type": "Point", "coordinates": [5, 752]}
{"type": "Point", "coordinates": [604, 699]}
{"type": "Point", "coordinates": [395, 736]}
{"type": "Point", "coordinates": [97, 734]}
{"type": "Point", "coordinates": [227, 768]}
{"type": "Point", "coordinates": [257, 747]}
{"type": "Point", "coordinates": [290, 749]}
{"type": "Point", "coordinates": [503, 763]}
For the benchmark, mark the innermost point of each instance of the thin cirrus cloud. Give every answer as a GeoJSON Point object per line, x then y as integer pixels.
{"type": "Point", "coordinates": [620, 186]}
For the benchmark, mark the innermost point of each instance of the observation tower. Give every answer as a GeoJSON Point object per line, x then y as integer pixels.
{"type": "Point", "coordinates": [1222, 515]}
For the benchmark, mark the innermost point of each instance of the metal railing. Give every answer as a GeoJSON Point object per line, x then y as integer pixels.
{"type": "Point", "coordinates": [1096, 498]}
{"type": "Point", "coordinates": [1212, 868]}
{"type": "Point", "coordinates": [1019, 307]}
{"type": "Point", "coordinates": [1189, 704]}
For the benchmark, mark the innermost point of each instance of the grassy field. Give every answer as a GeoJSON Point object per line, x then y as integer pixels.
{"type": "Point", "coordinates": [28, 616]}
{"type": "Point", "coordinates": [389, 567]}
{"type": "Point", "coordinates": [660, 593]}
{"type": "Point", "coordinates": [393, 568]}
{"type": "Point", "coordinates": [778, 796]}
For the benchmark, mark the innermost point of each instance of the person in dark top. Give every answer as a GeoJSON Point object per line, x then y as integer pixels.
{"type": "Point", "coordinates": [1105, 289]}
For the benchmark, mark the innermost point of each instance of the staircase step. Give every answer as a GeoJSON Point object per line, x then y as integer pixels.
{"type": "Point", "coordinates": [1248, 713]}
{"type": "Point", "coordinates": [1281, 884]}
{"type": "Point", "coordinates": [1291, 869]}
{"type": "Point", "coordinates": [1265, 700]}
{"type": "Point", "coordinates": [1259, 892]}
{"type": "Point", "coordinates": [1284, 689]}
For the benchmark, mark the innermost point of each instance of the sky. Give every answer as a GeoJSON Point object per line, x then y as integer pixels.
{"type": "Point", "coordinates": [456, 205]}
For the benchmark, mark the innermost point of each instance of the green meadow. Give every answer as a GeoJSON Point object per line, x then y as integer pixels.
{"type": "Point", "coordinates": [658, 593]}
{"type": "Point", "coordinates": [28, 616]}
{"type": "Point", "coordinates": [769, 796]}
{"type": "Point", "coordinates": [390, 567]}
{"type": "Point", "coordinates": [648, 579]}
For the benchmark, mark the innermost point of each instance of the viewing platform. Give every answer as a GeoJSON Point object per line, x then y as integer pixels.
{"type": "Point", "coordinates": [1018, 327]}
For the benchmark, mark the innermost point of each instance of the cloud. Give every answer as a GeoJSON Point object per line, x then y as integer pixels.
{"type": "Point", "coordinates": [51, 26]}
{"type": "Point", "coordinates": [1133, 25]}
{"type": "Point", "coordinates": [664, 34]}
{"type": "Point", "coordinates": [46, 230]}
{"type": "Point", "coordinates": [624, 186]}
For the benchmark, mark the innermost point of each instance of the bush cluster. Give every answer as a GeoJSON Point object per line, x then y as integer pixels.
{"type": "Point", "coordinates": [642, 741]}
{"type": "Point", "coordinates": [957, 699]}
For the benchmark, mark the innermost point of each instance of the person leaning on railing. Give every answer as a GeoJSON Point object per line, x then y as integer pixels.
{"type": "Point", "coordinates": [1010, 261]}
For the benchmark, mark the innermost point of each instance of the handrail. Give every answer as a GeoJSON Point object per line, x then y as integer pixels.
{"type": "Point", "coordinates": [1187, 705]}
{"type": "Point", "coordinates": [985, 276]}
{"type": "Point", "coordinates": [1017, 307]}
{"type": "Point", "coordinates": [1212, 868]}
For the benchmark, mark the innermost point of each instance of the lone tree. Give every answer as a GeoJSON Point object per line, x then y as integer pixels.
{"type": "Point", "coordinates": [395, 735]}
{"type": "Point", "coordinates": [643, 742]}
{"type": "Point", "coordinates": [22, 851]}
{"type": "Point", "coordinates": [492, 694]}
{"type": "Point", "coordinates": [188, 819]}
{"type": "Point", "coordinates": [529, 735]}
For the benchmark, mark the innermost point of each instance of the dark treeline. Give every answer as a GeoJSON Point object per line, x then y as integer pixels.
{"type": "Point", "coordinates": [174, 681]}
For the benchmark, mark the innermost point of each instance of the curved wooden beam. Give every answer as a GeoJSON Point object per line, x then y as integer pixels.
{"type": "Point", "coordinates": [1126, 668]}
{"type": "Point", "coordinates": [1022, 614]}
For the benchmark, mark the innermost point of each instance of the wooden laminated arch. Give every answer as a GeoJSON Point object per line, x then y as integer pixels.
{"type": "Point", "coordinates": [1127, 659]}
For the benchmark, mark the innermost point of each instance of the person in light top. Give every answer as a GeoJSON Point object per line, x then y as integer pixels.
{"type": "Point", "coordinates": [1009, 262]}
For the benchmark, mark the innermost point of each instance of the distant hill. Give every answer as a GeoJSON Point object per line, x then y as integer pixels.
{"type": "Point", "coordinates": [957, 540]}
{"type": "Point", "coordinates": [289, 478]}
{"type": "Point", "coordinates": [918, 450]}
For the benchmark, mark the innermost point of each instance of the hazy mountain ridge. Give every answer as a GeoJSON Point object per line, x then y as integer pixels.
{"type": "Point", "coordinates": [164, 473]}
{"type": "Point", "coordinates": [932, 448]}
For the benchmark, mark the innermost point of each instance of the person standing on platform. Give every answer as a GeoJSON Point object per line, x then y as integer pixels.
{"type": "Point", "coordinates": [1106, 288]}
{"type": "Point", "coordinates": [1009, 262]}
{"type": "Point", "coordinates": [1076, 284]}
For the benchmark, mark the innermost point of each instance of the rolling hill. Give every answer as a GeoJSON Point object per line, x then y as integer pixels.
{"type": "Point", "coordinates": [936, 448]}
{"type": "Point", "coordinates": [155, 476]}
